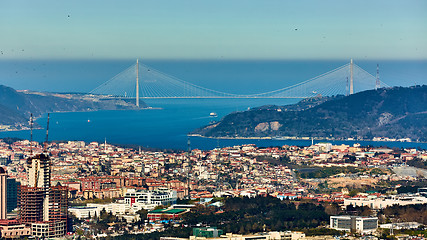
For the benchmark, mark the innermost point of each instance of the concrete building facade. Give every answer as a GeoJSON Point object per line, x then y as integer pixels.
{"type": "Point", "coordinates": [3, 193]}
{"type": "Point", "coordinates": [10, 229]}
{"type": "Point", "coordinates": [12, 194]}
{"type": "Point", "coordinates": [354, 223]}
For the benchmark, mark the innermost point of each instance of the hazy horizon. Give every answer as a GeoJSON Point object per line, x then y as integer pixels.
{"type": "Point", "coordinates": [234, 76]}
{"type": "Point", "coordinates": [213, 30]}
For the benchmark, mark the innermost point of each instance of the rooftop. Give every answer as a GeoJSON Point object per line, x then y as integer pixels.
{"type": "Point", "coordinates": [168, 211]}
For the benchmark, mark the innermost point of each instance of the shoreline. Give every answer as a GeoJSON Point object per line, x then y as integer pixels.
{"type": "Point", "coordinates": [38, 128]}
{"type": "Point", "coordinates": [210, 142]}
{"type": "Point", "coordinates": [17, 130]}
{"type": "Point", "coordinates": [131, 109]}
{"type": "Point", "coordinates": [297, 139]}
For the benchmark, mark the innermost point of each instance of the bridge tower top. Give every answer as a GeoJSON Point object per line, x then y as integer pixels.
{"type": "Point", "coordinates": [351, 77]}
{"type": "Point", "coordinates": [137, 83]}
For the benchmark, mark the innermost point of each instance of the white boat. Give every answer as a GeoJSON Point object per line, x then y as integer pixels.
{"type": "Point", "coordinates": [213, 114]}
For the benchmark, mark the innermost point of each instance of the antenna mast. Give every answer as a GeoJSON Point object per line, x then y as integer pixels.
{"type": "Point", "coordinates": [137, 83]}
{"type": "Point", "coordinates": [47, 133]}
{"type": "Point", "coordinates": [351, 77]}
{"type": "Point", "coordinates": [31, 135]}
{"type": "Point", "coordinates": [189, 167]}
{"type": "Point", "coordinates": [377, 83]}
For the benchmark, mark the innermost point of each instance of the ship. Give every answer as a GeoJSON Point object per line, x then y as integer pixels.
{"type": "Point", "coordinates": [213, 114]}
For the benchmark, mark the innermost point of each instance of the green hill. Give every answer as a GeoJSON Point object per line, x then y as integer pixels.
{"type": "Point", "coordinates": [397, 112]}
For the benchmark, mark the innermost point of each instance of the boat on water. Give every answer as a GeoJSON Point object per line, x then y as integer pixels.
{"type": "Point", "coordinates": [213, 114]}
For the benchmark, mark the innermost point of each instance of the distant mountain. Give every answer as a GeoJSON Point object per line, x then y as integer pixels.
{"type": "Point", "coordinates": [388, 112]}
{"type": "Point", "coordinates": [16, 106]}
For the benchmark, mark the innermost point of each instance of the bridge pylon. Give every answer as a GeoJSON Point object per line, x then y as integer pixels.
{"type": "Point", "coordinates": [137, 84]}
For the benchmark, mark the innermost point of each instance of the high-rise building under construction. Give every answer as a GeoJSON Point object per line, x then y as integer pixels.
{"type": "Point", "coordinates": [41, 205]}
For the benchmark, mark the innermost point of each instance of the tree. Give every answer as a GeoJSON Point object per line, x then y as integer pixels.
{"type": "Point", "coordinates": [353, 193]}
{"type": "Point", "coordinates": [332, 209]}
{"type": "Point", "coordinates": [278, 225]}
{"type": "Point", "coordinates": [359, 211]}
{"type": "Point", "coordinates": [159, 207]}
{"type": "Point", "coordinates": [142, 214]}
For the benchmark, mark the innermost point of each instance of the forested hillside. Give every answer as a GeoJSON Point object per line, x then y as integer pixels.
{"type": "Point", "coordinates": [397, 112]}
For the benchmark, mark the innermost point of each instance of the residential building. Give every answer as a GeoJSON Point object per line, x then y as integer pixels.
{"type": "Point", "coordinates": [3, 193]}
{"type": "Point", "coordinates": [12, 194]}
{"type": "Point", "coordinates": [13, 229]}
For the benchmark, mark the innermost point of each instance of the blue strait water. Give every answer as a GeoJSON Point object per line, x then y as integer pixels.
{"type": "Point", "coordinates": [168, 127]}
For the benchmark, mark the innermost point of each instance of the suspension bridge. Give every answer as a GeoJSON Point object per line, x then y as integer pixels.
{"type": "Point", "coordinates": [143, 82]}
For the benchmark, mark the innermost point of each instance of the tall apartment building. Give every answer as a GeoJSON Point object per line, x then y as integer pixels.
{"type": "Point", "coordinates": [3, 193]}
{"type": "Point", "coordinates": [12, 193]}
{"type": "Point", "coordinates": [41, 205]}
{"type": "Point", "coordinates": [9, 228]}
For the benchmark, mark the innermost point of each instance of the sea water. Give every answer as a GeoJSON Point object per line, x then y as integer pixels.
{"type": "Point", "coordinates": [166, 125]}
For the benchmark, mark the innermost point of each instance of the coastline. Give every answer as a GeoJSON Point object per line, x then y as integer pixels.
{"type": "Point", "coordinates": [98, 110]}
{"type": "Point", "coordinates": [23, 129]}
{"type": "Point", "coordinates": [299, 138]}
{"type": "Point", "coordinates": [231, 138]}
{"type": "Point", "coordinates": [10, 128]}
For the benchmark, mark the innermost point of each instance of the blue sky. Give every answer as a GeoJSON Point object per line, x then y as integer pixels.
{"type": "Point", "coordinates": [220, 29]}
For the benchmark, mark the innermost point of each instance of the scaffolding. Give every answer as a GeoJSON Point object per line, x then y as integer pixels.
{"type": "Point", "coordinates": [58, 203]}
{"type": "Point", "coordinates": [30, 203]}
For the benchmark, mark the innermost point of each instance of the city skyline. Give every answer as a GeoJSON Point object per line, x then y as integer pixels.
{"type": "Point", "coordinates": [213, 30]}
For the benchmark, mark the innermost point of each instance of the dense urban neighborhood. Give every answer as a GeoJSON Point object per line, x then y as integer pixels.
{"type": "Point", "coordinates": [213, 120]}
{"type": "Point", "coordinates": [287, 192]}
